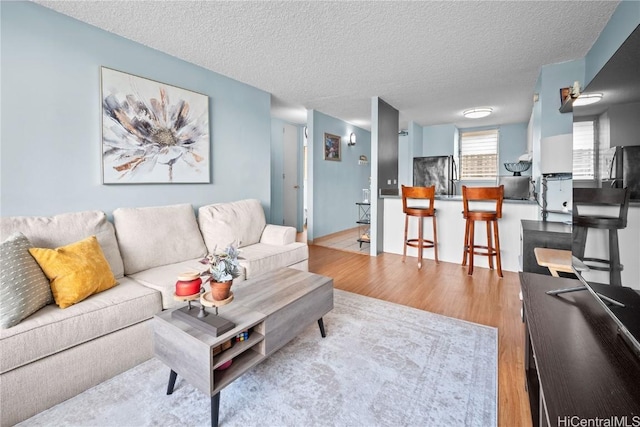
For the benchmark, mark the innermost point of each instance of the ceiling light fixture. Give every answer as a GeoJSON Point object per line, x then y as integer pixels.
{"type": "Point", "coordinates": [587, 99]}
{"type": "Point", "coordinates": [477, 113]}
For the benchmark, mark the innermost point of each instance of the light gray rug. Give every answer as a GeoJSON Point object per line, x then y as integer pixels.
{"type": "Point", "coordinates": [381, 364]}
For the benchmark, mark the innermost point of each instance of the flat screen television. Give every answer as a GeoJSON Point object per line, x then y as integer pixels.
{"type": "Point", "coordinates": [621, 303]}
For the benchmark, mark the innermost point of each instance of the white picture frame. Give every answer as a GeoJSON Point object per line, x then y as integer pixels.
{"type": "Point", "coordinates": [152, 132]}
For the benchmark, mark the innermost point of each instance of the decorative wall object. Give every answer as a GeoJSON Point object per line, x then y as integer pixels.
{"type": "Point", "coordinates": [152, 132]}
{"type": "Point", "coordinates": [332, 147]}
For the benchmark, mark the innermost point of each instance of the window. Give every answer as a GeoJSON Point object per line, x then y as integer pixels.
{"type": "Point", "coordinates": [584, 154]}
{"type": "Point", "coordinates": [479, 154]}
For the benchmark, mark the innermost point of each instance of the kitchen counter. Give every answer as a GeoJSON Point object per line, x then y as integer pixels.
{"type": "Point", "coordinates": [459, 198]}
{"type": "Point", "coordinates": [451, 229]}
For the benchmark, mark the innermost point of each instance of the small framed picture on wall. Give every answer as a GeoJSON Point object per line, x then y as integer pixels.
{"type": "Point", "coordinates": [332, 147]}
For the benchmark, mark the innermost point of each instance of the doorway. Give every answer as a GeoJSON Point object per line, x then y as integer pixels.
{"type": "Point", "coordinates": [291, 189]}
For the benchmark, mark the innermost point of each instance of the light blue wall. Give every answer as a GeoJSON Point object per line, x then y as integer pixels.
{"type": "Point", "coordinates": [51, 144]}
{"type": "Point", "coordinates": [409, 146]}
{"type": "Point", "coordinates": [553, 77]}
{"type": "Point", "coordinates": [513, 144]}
{"type": "Point", "coordinates": [624, 20]}
{"type": "Point", "coordinates": [405, 173]}
{"type": "Point", "coordinates": [438, 140]}
{"type": "Point", "coordinates": [536, 129]}
{"type": "Point", "coordinates": [416, 136]}
{"type": "Point", "coordinates": [337, 186]}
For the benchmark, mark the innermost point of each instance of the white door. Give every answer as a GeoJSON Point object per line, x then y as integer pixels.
{"type": "Point", "coordinates": [291, 188]}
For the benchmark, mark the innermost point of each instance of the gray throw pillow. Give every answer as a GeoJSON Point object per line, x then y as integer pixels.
{"type": "Point", "coordinates": [24, 289]}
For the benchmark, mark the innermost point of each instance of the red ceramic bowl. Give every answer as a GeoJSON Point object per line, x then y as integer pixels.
{"type": "Point", "coordinates": [185, 288]}
{"type": "Point", "coordinates": [225, 365]}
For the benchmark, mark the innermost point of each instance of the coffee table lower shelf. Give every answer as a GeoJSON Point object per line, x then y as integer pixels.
{"type": "Point", "coordinates": [273, 308]}
{"type": "Point", "coordinates": [244, 357]}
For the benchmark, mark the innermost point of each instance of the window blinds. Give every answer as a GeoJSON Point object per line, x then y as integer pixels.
{"type": "Point", "coordinates": [479, 154]}
{"type": "Point", "coordinates": [584, 150]}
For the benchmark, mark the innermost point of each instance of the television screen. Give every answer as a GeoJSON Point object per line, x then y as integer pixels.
{"type": "Point", "coordinates": [623, 305]}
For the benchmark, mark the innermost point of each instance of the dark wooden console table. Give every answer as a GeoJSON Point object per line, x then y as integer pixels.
{"type": "Point", "coordinates": [577, 366]}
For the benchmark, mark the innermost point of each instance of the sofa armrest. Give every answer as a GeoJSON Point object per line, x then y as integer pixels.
{"type": "Point", "coordinates": [278, 235]}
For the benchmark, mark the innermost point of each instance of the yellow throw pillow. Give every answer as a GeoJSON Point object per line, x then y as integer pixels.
{"type": "Point", "coordinates": [75, 271]}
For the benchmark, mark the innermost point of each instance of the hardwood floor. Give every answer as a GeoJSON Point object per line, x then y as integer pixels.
{"type": "Point", "coordinates": [445, 289]}
{"type": "Point", "coordinates": [346, 240]}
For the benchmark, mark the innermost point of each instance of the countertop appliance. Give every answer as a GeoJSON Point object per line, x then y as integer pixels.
{"type": "Point", "coordinates": [624, 170]}
{"type": "Point", "coordinates": [557, 197]}
{"type": "Point", "coordinates": [435, 170]}
{"type": "Point", "coordinates": [516, 187]}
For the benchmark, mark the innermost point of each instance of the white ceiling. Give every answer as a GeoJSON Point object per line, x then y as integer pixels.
{"type": "Point", "coordinates": [430, 60]}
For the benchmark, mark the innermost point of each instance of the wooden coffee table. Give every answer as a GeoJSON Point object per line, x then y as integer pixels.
{"type": "Point", "coordinates": [274, 308]}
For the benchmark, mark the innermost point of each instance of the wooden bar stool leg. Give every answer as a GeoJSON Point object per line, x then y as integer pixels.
{"type": "Point", "coordinates": [615, 278]}
{"type": "Point", "coordinates": [471, 246]}
{"type": "Point", "coordinates": [420, 242]}
{"type": "Point", "coordinates": [465, 251]}
{"type": "Point", "coordinates": [435, 239]}
{"type": "Point", "coordinates": [489, 245]}
{"type": "Point", "coordinates": [404, 249]}
{"type": "Point", "coordinates": [497, 239]}
{"type": "Point", "coordinates": [579, 241]}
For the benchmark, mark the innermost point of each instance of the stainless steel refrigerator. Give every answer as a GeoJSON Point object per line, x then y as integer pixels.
{"type": "Point", "coordinates": [624, 170]}
{"type": "Point", "coordinates": [435, 170]}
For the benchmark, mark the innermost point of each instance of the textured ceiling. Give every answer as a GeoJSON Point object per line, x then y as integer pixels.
{"type": "Point", "coordinates": [430, 60]}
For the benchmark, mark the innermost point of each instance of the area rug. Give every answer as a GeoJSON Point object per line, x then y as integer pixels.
{"type": "Point", "coordinates": [381, 364]}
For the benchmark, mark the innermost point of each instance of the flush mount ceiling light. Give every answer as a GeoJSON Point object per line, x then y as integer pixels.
{"type": "Point", "coordinates": [477, 113]}
{"type": "Point", "coordinates": [587, 99]}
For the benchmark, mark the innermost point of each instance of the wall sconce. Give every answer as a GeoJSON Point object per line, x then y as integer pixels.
{"type": "Point", "coordinates": [352, 139]}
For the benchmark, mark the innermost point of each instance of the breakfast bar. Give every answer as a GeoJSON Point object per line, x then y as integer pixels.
{"type": "Point", "coordinates": [451, 229]}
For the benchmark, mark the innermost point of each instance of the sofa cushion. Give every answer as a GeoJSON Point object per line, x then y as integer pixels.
{"type": "Point", "coordinates": [278, 235]}
{"type": "Point", "coordinates": [224, 223]}
{"type": "Point", "coordinates": [164, 278]}
{"type": "Point", "coordinates": [51, 330]}
{"type": "Point", "coordinates": [75, 271]}
{"type": "Point", "coordinates": [154, 236]}
{"type": "Point", "coordinates": [60, 230]}
{"type": "Point", "coordinates": [24, 289]}
{"type": "Point", "coordinates": [262, 258]}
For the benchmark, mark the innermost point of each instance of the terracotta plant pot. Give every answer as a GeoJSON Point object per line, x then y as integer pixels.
{"type": "Point", "coordinates": [220, 290]}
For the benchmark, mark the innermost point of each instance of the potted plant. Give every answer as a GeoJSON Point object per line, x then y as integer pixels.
{"type": "Point", "coordinates": [223, 267]}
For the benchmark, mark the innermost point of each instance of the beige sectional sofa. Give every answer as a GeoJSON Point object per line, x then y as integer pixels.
{"type": "Point", "coordinates": [56, 353]}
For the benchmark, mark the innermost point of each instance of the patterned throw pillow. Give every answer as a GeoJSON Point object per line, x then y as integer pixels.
{"type": "Point", "coordinates": [76, 271]}
{"type": "Point", "coordinates": [24, 289]}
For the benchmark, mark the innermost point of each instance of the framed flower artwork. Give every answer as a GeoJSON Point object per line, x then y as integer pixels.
{"type": "Point", "coordinates": [152, 132]}
{"type": "Point", "coordinates": [331, 147]}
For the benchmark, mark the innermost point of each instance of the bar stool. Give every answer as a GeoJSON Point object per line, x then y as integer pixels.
{"type": "Point", "coordinates": [490, 217]}
{"type": "Point", "coordinates": [599, 198]}
{"type": "Point", "coordinates": [421, 212]}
